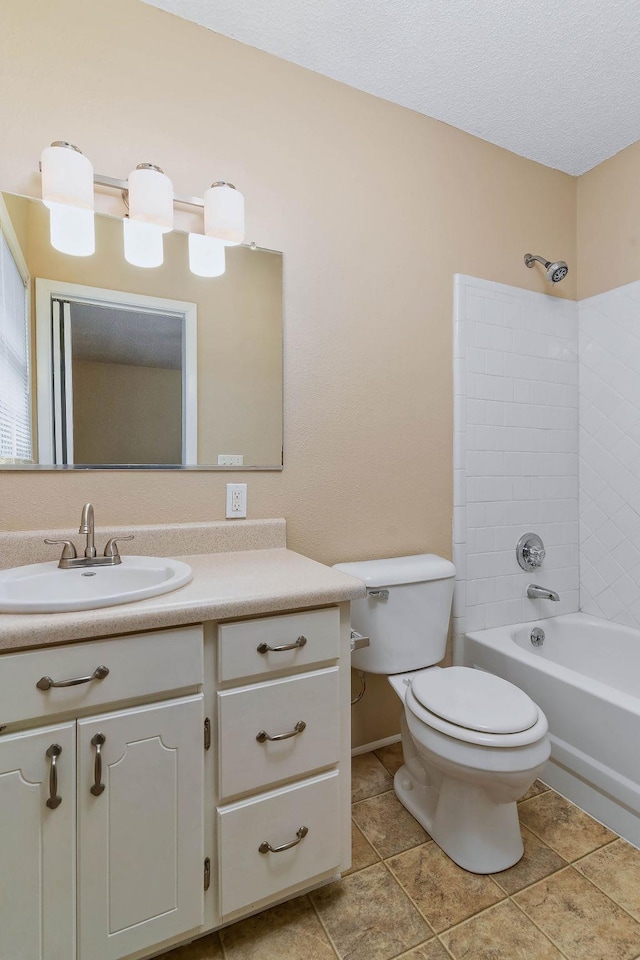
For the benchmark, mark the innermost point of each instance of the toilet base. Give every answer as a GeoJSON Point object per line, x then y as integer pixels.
{"type": "Point", "coordinates": [478, 834]}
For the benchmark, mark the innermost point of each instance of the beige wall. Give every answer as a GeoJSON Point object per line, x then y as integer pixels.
{"type": "Point", "coordinates": [375, 208]}
{"type": "Point", "coordinates": [609, 224]}
{"type": "Point", "coordinates": [123, 413]}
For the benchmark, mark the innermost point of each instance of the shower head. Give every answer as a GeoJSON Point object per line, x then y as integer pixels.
{"type": "Point", "coordinates": [555, 272]}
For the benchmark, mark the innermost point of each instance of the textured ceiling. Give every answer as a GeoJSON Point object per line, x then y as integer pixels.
{"type": "Point", "coordinates": [557, 81]}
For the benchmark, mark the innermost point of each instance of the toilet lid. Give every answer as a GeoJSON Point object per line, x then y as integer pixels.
{"type": "Point", "coordinates": [475, 700]}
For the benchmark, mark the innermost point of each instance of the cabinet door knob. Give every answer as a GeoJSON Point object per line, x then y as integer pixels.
{"type": "Point", "coordinates": [98, 786]}
{"type": "Point", "coordinates": [263, 736]}
{"type": "Point", "coordinates": [265, 846]}
{"type": "Point", "coordinates": [296, 645]}
{"type": "Point", "coordinates": [53, 799]}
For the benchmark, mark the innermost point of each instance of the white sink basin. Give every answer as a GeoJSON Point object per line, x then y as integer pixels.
{"type": "Point", "coordinates": [44, 588]}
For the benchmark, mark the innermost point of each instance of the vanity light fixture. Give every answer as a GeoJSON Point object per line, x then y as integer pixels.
{"type": "Point", "coordinates": [150, 202]}
{"type": "Point", "coordinates": [67, 189]}
{"type": "Point", "coordinates": [224, 213]}
{"type": "Point", "coordinates": [151, 196]}
{"type": "Point", "coordinates": [143, 246]}
{"type": "Point", "coordinates": [206, 256]}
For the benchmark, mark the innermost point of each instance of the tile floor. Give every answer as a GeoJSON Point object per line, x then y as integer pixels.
{"type": "Point", "coordinates": [575, 894]}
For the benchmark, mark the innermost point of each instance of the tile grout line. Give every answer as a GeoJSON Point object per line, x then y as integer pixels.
{"type": "Point", "coordinates": [493, 907]}
{"type": "Point", "coordinates": [437, 933]}
{"type": "Point", "coordinates": [323, 927]}
{"type": "Point", "coordinates": [411, 901]}
{"type": "Point", "coordinates": [531, 920]}
{"type": "Point", "coordinates": [570, 866]}
{"type": "Point", "coordinates": [598, 887]}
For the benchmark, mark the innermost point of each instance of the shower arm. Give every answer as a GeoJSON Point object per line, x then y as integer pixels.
{"type": "Point", "coordinates": [530, 257]}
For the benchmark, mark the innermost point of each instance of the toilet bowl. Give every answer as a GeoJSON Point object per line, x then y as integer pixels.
{"type": "Point", "coordinates": [472, 742]}
{"type": "Point", "coordinates": [462, 783]}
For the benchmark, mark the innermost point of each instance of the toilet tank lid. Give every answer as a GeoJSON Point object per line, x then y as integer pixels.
{"type": "Point", "coordinates": [396, 570]}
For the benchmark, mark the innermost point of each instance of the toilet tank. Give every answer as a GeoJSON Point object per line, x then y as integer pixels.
{"type": "Point", "coordinates": [405, 613]}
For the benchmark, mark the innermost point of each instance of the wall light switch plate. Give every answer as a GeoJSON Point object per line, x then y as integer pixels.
{"type": "Point", "coordinates": [236, 500]}
{"type": "Point", "coordinates": [230, 460]}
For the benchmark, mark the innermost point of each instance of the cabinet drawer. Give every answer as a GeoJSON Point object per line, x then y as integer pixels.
{"type": "Point", "coordinates": [238, 643]}
{"type": "Point", "coordinates": [275, 707]}
{"type": "Point", "coordinates": [140, 665]}
{"type": "Point", "coordinates": [248, 876]}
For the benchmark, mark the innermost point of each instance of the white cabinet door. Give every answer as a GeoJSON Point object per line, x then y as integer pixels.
{"type": "Point", "coordinates": [37, 844]}
{"type": "Point", "coordinates": [140, 836]}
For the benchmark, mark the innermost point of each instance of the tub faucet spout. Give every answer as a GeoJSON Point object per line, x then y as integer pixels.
{"type": "Point", "coordinates": [535, 592]}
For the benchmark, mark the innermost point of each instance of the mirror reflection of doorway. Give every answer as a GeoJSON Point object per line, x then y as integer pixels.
{"type": "Point", "coordinates": [121, 385]}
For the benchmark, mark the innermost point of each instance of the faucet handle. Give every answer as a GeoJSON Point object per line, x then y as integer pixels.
{"type": "Point", "coordinates": [111, 549]}
{"type": "Point", "coordinates": [68, 551]}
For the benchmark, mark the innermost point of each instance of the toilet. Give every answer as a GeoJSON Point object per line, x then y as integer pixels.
{"type": "Point", "coordinates": [472, 742]}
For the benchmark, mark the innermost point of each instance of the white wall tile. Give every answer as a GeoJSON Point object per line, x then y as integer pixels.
{"type": "Point", "coordinates": [517, 460]}
{"type": "Point", "coordinates": [609, 440]}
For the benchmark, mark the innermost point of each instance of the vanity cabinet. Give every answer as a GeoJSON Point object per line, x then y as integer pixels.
{"type": "Point", "coordinates": [282, 776]}
{"type": "Point", "coordinates": [119, 793]}
{"type": "Point", "coordinates": [156, 786]}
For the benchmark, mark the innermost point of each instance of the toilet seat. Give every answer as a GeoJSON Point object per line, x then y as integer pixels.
{"type": "Point", "coordinates": [475, 700]}
{"type": "Point", "coordinates": [484, 738]}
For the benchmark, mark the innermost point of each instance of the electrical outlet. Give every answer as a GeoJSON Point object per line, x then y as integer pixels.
{"type": "Point", "coordinates": [230, 460]}
{"type": "Point", "coordinates": [236, 500]}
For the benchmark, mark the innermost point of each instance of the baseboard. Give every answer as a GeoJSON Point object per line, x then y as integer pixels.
{"type": "Point", "coordinates": [375, 745]}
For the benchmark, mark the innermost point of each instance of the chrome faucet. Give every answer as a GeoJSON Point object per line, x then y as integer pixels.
{"type": "Point", "coordinates": [535, 592]}
{"type": "Point", "coordinates": [70, 559]}
{"type": "Point", "coordinates": [87, 527]}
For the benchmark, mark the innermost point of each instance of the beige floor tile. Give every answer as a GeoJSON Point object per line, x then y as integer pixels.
{"type": "Point", "coordinates": [444, 893]}
{"type": "Point", "coordinates": [362, 853]}
{"type": "Point", "coordinates": [391, 757]}
{"type": "Point", "coordinates": [564, 827]}
{"type": "Point", "coordinates": [387, 825]}
{"type": "Point", "coordinates": [368, 917]}
{"type": "Point", "coordinates": [290, 930]}
{"type": "Point", "coordinates": [538, 862]}
{"type": "Point", "coordinates": [616, 870]}
{"type": "Point", "coordinates": [536, 788]}
{"type": "Point", "coordinates": [207, 948]}
{"type": "Point", "coordinates": [368, 777]}
{"type": "Point", "coordinates": [432, 950]}
{"type": "Point", "coordinates": [580, 919]}
{"type": "Point", "coordinates": [501, 933]}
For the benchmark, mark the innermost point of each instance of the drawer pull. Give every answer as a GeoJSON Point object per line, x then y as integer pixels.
{"type": "Point", "coordinates": [45, 683]}
{"type": "Point", "coordinates": [265, 648]}
{"type": "Point", "coordinates": [97, 787]}
{"type": "Point", "coordinates": [53, 753]}
{"type": "Point", "coordinates": [265, 846]}
{"type": "Point", "coordinates": [263, 736]}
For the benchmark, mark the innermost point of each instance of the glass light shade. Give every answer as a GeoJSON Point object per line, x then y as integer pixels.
{"type": "Point", "coordinates": [143, 243]}
{"type": "Point", "coordinates": [72, 230]}
{"type": "Point", "coordinates": [224, 214]}
{"type": "Point", "coordinates": [206, 256]}
{"type": "Point", "coordinates": [151, 197]}
{"type": "Point", "coordinates": [67, 177]}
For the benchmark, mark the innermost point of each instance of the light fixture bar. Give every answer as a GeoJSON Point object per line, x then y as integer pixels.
{"type": "Point", "coordinates": [123, 185]}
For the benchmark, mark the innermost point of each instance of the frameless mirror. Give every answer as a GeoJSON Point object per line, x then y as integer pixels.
{"type": "Point", "coordinates": [107, 365]}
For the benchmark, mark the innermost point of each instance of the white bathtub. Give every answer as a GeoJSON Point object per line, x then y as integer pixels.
{"type": "Point", "coordinates": [586, 678]}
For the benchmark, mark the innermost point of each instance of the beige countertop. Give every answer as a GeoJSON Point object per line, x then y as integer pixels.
{"type": "Point", "coordinates": [225, 585]}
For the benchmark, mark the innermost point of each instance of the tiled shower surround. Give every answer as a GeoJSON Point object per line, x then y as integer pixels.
{"type": "Point", "coordinates": [547, 432]}
{"type": "Point", "coordinates": [516, 451]}
{"type": "Point", "coordinates": [610, 455]}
